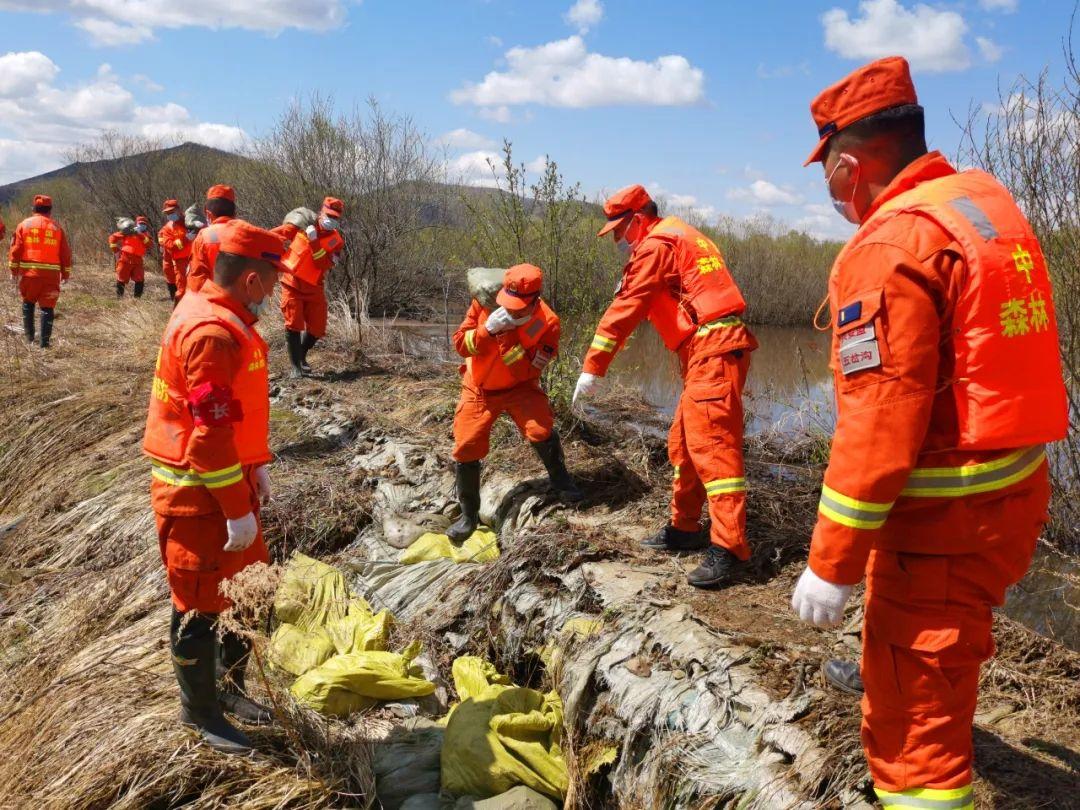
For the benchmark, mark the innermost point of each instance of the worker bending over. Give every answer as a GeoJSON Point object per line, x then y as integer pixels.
{"type": "Point", "coordinates": [948, 386]}
{"type": "Point", "coordinates": [505, 353]}
{"type": "Point", "coordinates": [40, 261]}
{"type": "Point", "coordinates": [207, 436]}
{"type": "Point", "coordinates": [676, 278]}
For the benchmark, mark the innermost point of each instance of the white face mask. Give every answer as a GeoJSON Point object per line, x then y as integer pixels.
{"type": "Point", "coordinates": [328, 224]}
{"type": "Point", "coordinates": [623, 247]}
{"type": "Point", "coordinates": [260, 308]}
{"type": "Point", "coordinates": [845, 208]}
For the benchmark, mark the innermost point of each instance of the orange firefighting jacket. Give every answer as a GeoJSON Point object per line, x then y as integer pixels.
{"type": "Point", "coordinates": [39, 247]}
{"type": "Point", "coordinates": [305, 274]}
{"type": "Point", "coordinates": [133, 244]}
{"type": "Point", "coordinates": [209, 411]}
{"type": "Point", "coordinates": [325, 250]}
{"type": "Point", "coordinates": [204, 250]}
{"type": "Point", "coordinates": [173, 240]}
{"type": "Point", "coordinates": [677, 278]}
{"type": "Point", "coordinates": [944, 396]}
{"type": "Point", "coordinates": [499, 362]}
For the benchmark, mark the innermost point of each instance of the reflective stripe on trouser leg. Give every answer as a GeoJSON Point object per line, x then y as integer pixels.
{"type": "Point", "coordinates": [687, 491]}
{"type": "Point", "coordinates": [929, 799]}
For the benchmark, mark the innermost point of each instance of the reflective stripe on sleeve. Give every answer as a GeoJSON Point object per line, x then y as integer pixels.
{"type": "Point", "coordinates": [850, 512]}
{"type": "Point", "coordinates": [971, 479]}
{"type": "Point", "coordinates": [215, 479]}
{"type": "Point", "coordinates": [725, 486]}
{"type": "Point", "coordinates": [719, 323]}
{"type": "Point", "coordinates": [929, 798]}
{"type": "Point", "coordinates": [470, 341]}
{"type": "Point", "coordinates": [603, 344]}
{"type": "Point", "coordinates": [318, 254]}
{"type": "Point", "coordinates": [676, 472]}
{"type": "Point", "coordinates": [514, 355]}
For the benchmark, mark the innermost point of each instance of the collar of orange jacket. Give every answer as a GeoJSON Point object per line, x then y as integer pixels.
{"type": "Point", "coordinates": [219, 220]}
{"type": "Point", "coordinates": [219, 295]}
{"type": "Point", "coordinates": [930, 166]}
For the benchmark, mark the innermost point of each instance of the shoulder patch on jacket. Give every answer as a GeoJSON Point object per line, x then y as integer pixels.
{"type": "Point", "coordinates": [849, 313]}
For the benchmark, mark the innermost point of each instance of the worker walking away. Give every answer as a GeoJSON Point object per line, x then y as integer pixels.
{"type": "Point", "coordinates": [130, 243]}
{"type": "Point", "coordinates": [220, 209]}
{"type": "Point", "coordinates": [506, 351]}
{"type": "Point", "coordinates": [207, 439]}
{"type": "Point", "coordinates": [40, 261]}
{"type": "Point", "coordinates": [677, 279]}
{"type": "Point", "coordinates": [175, 249]}
{"type": "Point", "coordinates": [948, 385]}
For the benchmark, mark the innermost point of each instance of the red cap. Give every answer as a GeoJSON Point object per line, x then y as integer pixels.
{"type": "Point", "coordinates": [141, 218]}
{"type": "Point", "coordinates": [623, 203]}
{"type": "Point", "coordinates": [333, 207]}
{"type": "Point", "coordinates": [42, 200]}
{"type": "Point", "coordinates": [170, 205]}
{"type": "Point", "coordinates": [521, 286]}
{"type": "Point", "coordinates": [872, 88]}
{"type": "Point", "coordinates": [221, 193]}
{"type": "Point", "coordinates": [244, 239]}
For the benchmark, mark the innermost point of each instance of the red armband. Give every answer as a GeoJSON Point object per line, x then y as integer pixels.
{"type": "Point", "coordinates": [213, 405]}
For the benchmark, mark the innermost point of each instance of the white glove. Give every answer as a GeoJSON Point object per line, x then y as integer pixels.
{"type": "Point", "coordinates": [819, 602]}
{"type": "Point", "coordinates": [242, 532]}
{"type": "Point", "coordinates": [499, 321]}
{"type": "Point", "coordinates": [586, 385]}
{"type": "Point", "coordinates": [262, 484]}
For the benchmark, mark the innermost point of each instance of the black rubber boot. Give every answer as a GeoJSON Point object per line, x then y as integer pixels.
{"type": "Point", "coordinates": [233, 651]}
{"type": "Point", "coordinates": [550, 452]}
{"type": "Point", "coordinates": [844, 675]}
{"type": "Point", "coordinates": [671, 539]}
{"type": "Point", "coordinates": [468, 492]}
{"type": "Point", "coordinates": [718, 567]}
{"type": "Point", "coordinates": [46, 326]}
{"type": "Point", "coordinates": [28, 321]}
{"type": "Point", "coordinates": [307, 343]}
{"type": "Point", "coordinates": [120, 286]}
{"type": "Point", "coordinates": [172, 291]}
{"type": "Point", "coordinates": [194, 663]}
{"type": "Point", "coordinates": [138, 289]}
{"type": "Point", "coordinates": [292, 341]}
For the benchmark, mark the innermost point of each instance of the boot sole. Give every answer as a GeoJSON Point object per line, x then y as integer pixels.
{"type": "Point", "coordinates": [840, 685]}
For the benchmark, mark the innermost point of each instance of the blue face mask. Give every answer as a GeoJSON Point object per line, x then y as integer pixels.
{"type": "Point", "coordinates": [173, 217]}
{"type": "Point", "coordinates": [328, 224]}
{"type": "Point", "coordinates": [141, 227]}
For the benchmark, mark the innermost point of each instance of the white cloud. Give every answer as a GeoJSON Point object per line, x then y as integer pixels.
{"type": "Point", "coordinates": [931, 39]}
{"type": "Point", "coordinates": [821, 221]}
{"type": "Point", "coordinates": [687, 205]}
{"type": "Point", "coordinates": [146, 83]}
{"type": "Point", "coordinates": [40, 120]}
{"type": "Point", "coordinates": [1007, 6]}
{"type": "Point", "coordinates": [537, 164]}
{"type": "Point", "coordinates": [496, 41]}
{"type": "Point", "coordinates": [499, 115]}
{"type": "Point", "coordinates": [765, 194]}
{"type": "Point", "coordinates": [585, 14]}
{"type": "Point", "coordinates": [564, 74]}
{"type": "Point", "coordinates": [109, 22]}
{"type": "Point", "coordinates": [474, 168]}
{"type": "Point", "coordinates": [989, 49]}
{"type": "Point", "coordinates": [462, 138]}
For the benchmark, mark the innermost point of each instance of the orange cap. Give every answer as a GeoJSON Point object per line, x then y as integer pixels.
{"type": "Point", "coordinates": [623, 203]}
{"type": "Point", "coordinates": [521, 286]}
{"type": "Point", "coordinates": [170, 205]}
{"type": "Point", "coordinates": [42, 200]}
{"type": "Point", "coordinates": [872, 88]}
{"type": "Point", "coordinates": [141, 218]}
{"type": "Point", "coordinates": [244, 239]}
{"type": "Point", "coordinates": [221, 193]}
{"type": "Point", "coordinates": [333, 207]}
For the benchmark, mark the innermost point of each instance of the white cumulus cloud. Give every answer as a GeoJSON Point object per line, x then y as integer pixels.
{"type": "Point", "coordinates": [989, 49]}
{"type": "Point", "coordinates": [462, 138]}
{"type": "Point", "coordinates": [585, 14]}
{"type": "Point", "coordinates": [765, 194]}
{"type": "Point", "coordinates": [1008, 6]}
{"type": "Point", "coordinates": [931, 39]}
{"type": "Point", "coordinates": [564, 74]}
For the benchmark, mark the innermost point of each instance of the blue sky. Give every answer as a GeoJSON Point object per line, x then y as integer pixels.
{"type": "Point", "coordinates": [705, 102]}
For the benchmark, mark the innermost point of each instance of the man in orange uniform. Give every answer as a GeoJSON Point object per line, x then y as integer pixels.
{"type": "Point", "coordinates": [677, 279]}
{"type": "Point", "coordinates": [220, 208]}
{"type": "Point", "coordinates": [39, 260]}
{"type": "Point", "coordinates": [505, 353]}
{"type": "Point", "coordinates": [207, 438]}
{"type": "Point", "coordinates": [175, 249]}
{"type": "Point", "coordinates": [314, 248]}
{"type": "Point", "coordinates": [130, 249]}
{"type": "Point", "coordinates": [948, 383]}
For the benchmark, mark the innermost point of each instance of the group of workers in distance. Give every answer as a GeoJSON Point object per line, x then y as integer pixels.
{"type": "Point", "coordinates": [948, 385]}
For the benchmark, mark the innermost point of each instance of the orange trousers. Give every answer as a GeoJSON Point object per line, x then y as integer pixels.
{"type": "Point", "coordinates": [129, 267]}
{"type": "Point", "coordinates": [191, 549]}
{"type": "Point", "coordinates": [304, 309]}
{"type": "Point", "coordinates": [705, 447]}
{"type": "Point", "coordinates": [477, 411]}
{"type": "Point", "coordinates": [928, 628]}
{"type": "Point", "coordinates": [180, 271]}
{"type": "Point", "coordinates": [42, 290]}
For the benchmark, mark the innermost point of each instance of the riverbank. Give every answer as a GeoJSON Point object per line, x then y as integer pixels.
{"type": "Point", "coordinates": [88, 704]}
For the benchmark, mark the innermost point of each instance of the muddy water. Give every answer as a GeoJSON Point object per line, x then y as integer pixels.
{"type": "Point", "coordinates": [789, 390]}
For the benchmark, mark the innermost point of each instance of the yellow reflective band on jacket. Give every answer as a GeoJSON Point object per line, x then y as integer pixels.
{"type": "Point", "coordinates": [719, 323]}
{"type": "Point", "coordinates": [850, 512]}
{"type": "Point", "coordinates": [971, 479]}
{"type": "Point", "coordinates": [470, 341]}
{"type": "Point", "coordinates": [37, 266]}
{"type": "Point", "coordinates": [514, 355]}
{"type": "Point", "coordinates": [603, 344]}
{"type": "Point", "coordinates": [725, 486]}
{"type": "Point", "coordinates": [318, 254]}
{"type": "Point", "coordinates": [929, 798]}
{"type": "Point", "coordinates": [215, 479]}
{"type": "Point", "coordinates": [676, 472]}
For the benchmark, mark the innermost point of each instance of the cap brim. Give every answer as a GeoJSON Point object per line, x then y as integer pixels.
{"type": "Point", "coordinates": [818, 154]}
{"type": "Point", "coordinates": [614, 223]}
{"type": "Point", "coordinates": [330, 212]}
{"type": "Point", "coordinates": [512, 302]}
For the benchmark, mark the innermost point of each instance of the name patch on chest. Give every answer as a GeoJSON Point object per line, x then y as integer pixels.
{"type": "Point", "coordinates": [859, 356]}
{"type": "Point", "coordinates": [860, 334]}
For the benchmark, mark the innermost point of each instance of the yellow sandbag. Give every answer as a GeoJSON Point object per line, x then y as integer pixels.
{"type": "Point", "coordinates": [501, 735]}
{"type": "Point", "coordinates": [576, 628]}
{"type": "Point", "coordinates": [295, 651]}
{"type": "Point", "coordinates": [310, 594]}
{"type": "Point", "coordinates": [358, 630]}
{"type": "Point", "coordinates": [482, 546]}
{"type": "Point", "coordinates": [340, 685]}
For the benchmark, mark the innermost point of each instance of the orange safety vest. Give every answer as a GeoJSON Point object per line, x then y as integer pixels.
{"type": "Point", "coordinates": [170, 424]}
{"type": "Point", "coordinates": [300, 260]}
{"type": "Point", "coordinates": [491, 371]}
{"type": "Point", "coordinates": [133, 244]}
{"type": "Point", "coordinates": [1007, 381]}
{"type": "Point", "coordinates": [706, 290]}
{"type": "Point", "coordinates": [324, 249]}
{"type": "Point", "coordinates": [40, 244]}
